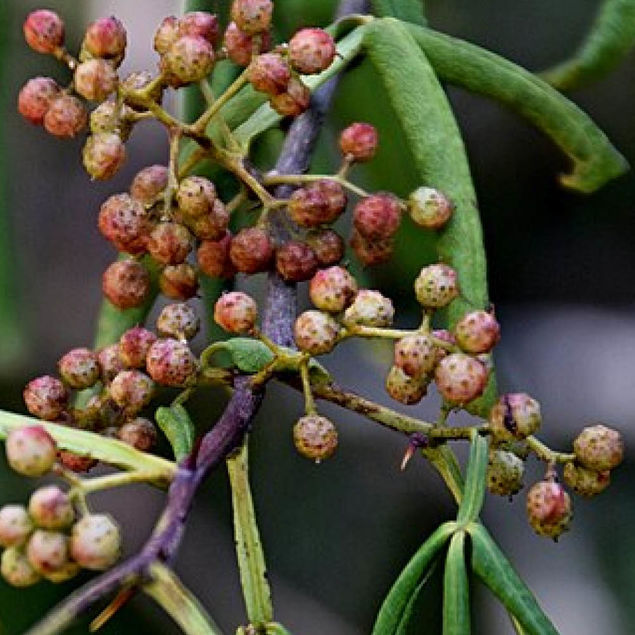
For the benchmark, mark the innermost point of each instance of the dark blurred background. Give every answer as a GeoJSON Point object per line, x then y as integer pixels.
{"type": "Point", "coordinates": [561, 269]}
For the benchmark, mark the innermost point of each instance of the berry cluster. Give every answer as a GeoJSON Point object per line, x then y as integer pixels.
{"type": "Point", "coordinates": [47, 539]}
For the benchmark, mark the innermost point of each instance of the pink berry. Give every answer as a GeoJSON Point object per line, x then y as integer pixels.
{"type": "Point", "coordinates": [369, 308]}
{"type": "Point", "coordinates": [132, 390]}
{"type": "Point", "coordinates": [106, 37]}
{"type": "Point", "coordinates": [95, 79]}
{"type": "Point", "coordinates": [169, 243]}
{"type": "Point", "coordinates": [585, 482]}
{"type": "Point", "coordinates": [134, 345]}
{"type": "Point", "coordinates": [311, 51]}
{"type": "Point", "coordinates": [549, 509]}
{"type": "Point", "coordinates": [236, 312]}
{"type": "Point", "coordinates": [47, 550]}
{"type": "Point", "coordinates": [377, 217]}
{"type": "Point", "coordinates": [51, 508]}
{"type": "Point", "coordinates": [149, 183]}
{"type": "Point", "coordinates": [477, 332]}
{"type": "Point", "coordinates": [179, 282]}
{"type": "Point", "coordinates": [251, 250]}
{"type": "Point", "coordinates": [199, 23]}
{"type": "Point", "coordinates": [46, 397]}
{"type": "Point", "coordinates": [110, 362]}
{"type": "Point", "coordinates": [166, 34]}
{"type": "Point", "coordinates": [211, 226]}
{"type": "Point", "coordinates": [103, 154]}
{"type": "Point", "coordinates": [66, 116]}
{"type": "Point", "coordinates": [190, 58]}
{"type": "Point", "coordinates": [44, 31]}
{"type": "Point", "coordinates": [196, 196]}
{"type": "Point", "coordinates": [429, 208]}
{"type": "Point", "coordinates": [315, 437]}
{"type": "Point", "coordinates": [126, 283]}
{"type": "Point", "coordinates": [15, 525]}
{"type": "Point", "coordinates": [460, 378]}
{"type": "Point", "coordinates": [296, 261]}
{"type": "Point", "coordinates": [514, 416]}
{"type": "Point", "coordinates": [95, 542]}
{"type": "Point", "coordinates": [269, 73]}
{"type": "Point", "coordinates": [170, 362]}
{"type": "Point", "coordinates": [35, 98]}
{"type": "Point", "coordinates": [371, 252]}
{"type": "Point", "coordinates": [125, 223]}
{"type": "Point", "coordinates": [16, 568]}
{"type": "Point", "coordinates": [404, 388]}
{"type": "Point", "coordinates": [294, 101]}
{"type": "Point", "coordinates": [140, 433]}
{"type": "Point", "coordinates": [436, 286]}
{"type": "Point", "coordinates": [332, 289]}
{"type": "Point", "coordinates": [252, 16]}
{"type": "Point", "coordinates": [319, 203]}
{"type": "Point", "coordinates": [241, 47]}
{"type": "Point", "coordinates": [213, 257]}
{"type": "Point", "coordinates": [599, 448]}
{"type": "Point", "coordinates": [79, 368]}
{"type": "Point", "coordinates": [359, 142]}
{"type": "Point", "coordinates": [179, 321]}
{"type": "Point", "coordinates": [316, 332]}
{"type": "Point", "coordinates": [328, 246]}
{"type": "Point", "coordinates": [416, 355]}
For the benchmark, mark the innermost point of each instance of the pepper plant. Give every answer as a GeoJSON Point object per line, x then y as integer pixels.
{"type": "Point", "coordinates": [211, 217]}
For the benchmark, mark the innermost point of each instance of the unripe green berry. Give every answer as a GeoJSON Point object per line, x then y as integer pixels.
{"type": "Point", "coordinates": [125, 223]}
{"type": "Point", "coordinates": [514, 416]}
{"type": "Point", "coordinates": [328, 246]}
{"type": "Point", "coordinates": [294, 101]}
{"type": "Point", "coordinates": [15, 525]}
{"type": "Point", "coordinates": [371, 252]}
{"type": "Point", "coordinates": [179, 282]}
{"type": "Point", "coordinates": [319, 203]}
{"type": "Point", "coordinates": [31, 450]}
{"type": "Point", "coordinates": [332, 289]}
{"type": "Point", "coordinates": [95, 542]}
{"type": "Point", "coordinates": [505, 473]}
{"type": "Point", "coordinates": [166, 34]}
{"type": "Point", "coordinates": [358, 142]}
{"type": "Point", "coordinates": [241, 47]}
{"type": "Point", "coordinates": [43, 31]}
{"type": "Point", "coordinates": [369, 308]}
{"type": "Point", "coordinates": [599, 448]}
{"type": "Point", "coordinates": [132, 390]}
{"type": "Point", "coordinates": [436, 286]}
{"type": "Point", "coordinates": [315, 332]}
{"type": "Point", "coordinates": [103, 154]}
{"type": "Point", "coordinates": [126, 283]}
{"type": "Point", "coordinates": [110, 362]}
{"type": "Point", "coordinates": [236, 312]}
{"type": "Point", "coordinates": [134, 345]}
{"type": "Point", "coordinates": [311, 51]}
{"type": "Point", "coordinates": [416, 355]}
{"type": "Point", "coordinates": [95, 79]}
{"type": "Point", "coordinates": [16, 568]}
{"type": "Point", "coordinates": [477, 332]}
{"type": "Point", "coordinates": [196, 196]}
{"type": "Point", "coordinates": [46, 397]}
{"type": "Point", "coordinates": [296, 261]}
{"type": "Point", "coordinates": [251, 250]}
{"type": "Point", "coordinates": [47, 550]}
{"type": "Point", "coordinates": [179, 321]}
{"type": "Point", "coordinates": [108, 117]}
{"type": "Point", "coordinates": [429, 208]}
{"type": "Point", "coordinates": [460, 378]}
{"type": "Point", "coordinates": [269, 73]}
{"type": "Point", "coordinates": [170, 362]}
{"type": "Point", "coordinates": [404, 388]}
{"type": "Point", "coordinates": [51, 508]}
{"type": "Point", "coordinates": [106, 37]}
{"type": "Point", "coordinates": [252, 16]}
{"type": "Point", "coordinates": [169, 243]}
{"type": "Point", "coordinates": [140, 433]}
{"type": "Point", "coordinates": [190, 58]}
{"type": "Point", "coordinates": [137, 81]}
{"type": "Point", "coordinates": [315, 437]}
{"type": "Point", "coordinates": [586, 482]}
{"type": "Point", "coordinates": [35, 98]}
{"type": "Point", "coordinates": [79, 368]}
{"type": "Point", "coordinates": [549, 509]}
{"type": "Point", "coordinates": [213, 259]}
{"type": "Point", "coordinates": [65, 117]}
{"type": "Point", "coordinates": [149, 183]}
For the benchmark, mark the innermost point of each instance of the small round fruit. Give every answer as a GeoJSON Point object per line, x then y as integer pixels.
{"type": "Point", "coordinates": [369, 308]}
{"type": "Point", "coordinates": [251, 250]}
{"type": "Point", "coordinates": [252, 16]}
{"type": "Point", "coordinates": [15, 525]}
{"type": "Point", "coordinates": [269, 73]}
{"type": "Point", "coordinates": [166, 34]}
{"type": "Point", "coordinates": [125, 223]}
{"type": "Point", "coordinates": [169, 243]}
{"type": "Point", "coordinates": [549, 509]}
{"type": "Point", "coordinates": [505, 473]}
{"type": "Point", "coordinates": [429, 208]}
{"type": "Point", "coordinates": [46, 397]}
{"type": "Point", "coordinates": [371, 252]}
{"type": "Point", "coordinates": [200, 23]}
{"type": "Point", "coordinates": [212, 226]}
{"type": "Point", "coordinates": [294, 101]}
{"type": "Point", "coordinates": [436, 286]}
{"type": "Point", "coordinates": [65, 117]}
{"type": "Point", "coordinates": [179, 282]}
{"type": "Point", "coordinates": [35, 98]}
{"type": "Point", "coordinates": [126, 283]}
{"type": "Point", "coordinates": [66, 572]}
{"type": "Point", "coordinates": [416, 355]}
{"type": "Point", "coordinates": [213, 259]}
{"type": "Point", "coordinates": [43, 31]}
{"type": "Point", "coordinates": [31, 450]}
{"type": "Point", "coordinates": [315, 437]}
{"type": "Point", "coordinates": [514, 416]}
{"type": "Point", "coordinates": [460, 378]}
{"type": "Point", "coordinates": [47, 550]}
{"type": "Point", "coordinates": [332, 289]}
{"type": "Point", "coordinates": [404, 388]}
{"type": "Point", "coordinates": [107, 117]}
{"type": "Point", "coordinates": [79, 368]}
{"type": "Point", "coordinates": [170, 362]}
{"type": "Point", "coordinates": [377, 217]}
{"type": "Point", "coordinates": [599, 448]}
{"type": "Point", "coordinates": [95, 79]}
{"type": "Point", "coordinates": [132, 390]}
{"type": "Point", "coordinates": [149, 183]}
{"type": "Point", "coordinates": [179, 321]}
{"type": "Point", "coordinates": [75, 462]}
{"type": "Point", "coordinates": [477, 332]}
{"type": "Point", "coordinates": [586, 482]}
{"type": "Point", "coordinates": [241, 47]}
{"type": "Point", "coordinates": [236, 312]}
{"type": "Point", "coordinates": [16, 568]}
{"type": "Point", "coordinates": [106, 37]}
{"type": "Point", "coordinates": [103, 155]}
{"type": "Point", "coordinates": [109, 362]}
{"type": "Point", "coordinates": [319, 203]}
{"type": "Point", "coordinates": [134, 345]}
{"type": "Point", "coordinates": [140, 433]}
{"type": "Point", "coordinates": [359, 142]}
{"type": "Point", "coordinates": [296, 261]}
{"type": "Point", "coordinates": [311, 51]}
{"type": "Point", "coordinates": [316, 332]}
{"type": "Point", "coordinates": [95, 542]}
{"type": "Point", "coordinates": [196, 196]}
{"type": "Point", "coordinates": [328, 246]}
{"type": "Point", "coordinates": [190, 58]}
{"type": "Point", "coordinates": [51, 508]}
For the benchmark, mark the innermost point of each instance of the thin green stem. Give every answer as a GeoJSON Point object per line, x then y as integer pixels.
{"type": "Point", "coordinates": [119, 479]}
{"type": "Point", "coordinates": [544, 453]}
{"type": "Point", "coordinates": [309, 402]}
{"type": "Point", "coordinates": [200, 124]}
{"type": "Point", "coordinates": [298, 179]}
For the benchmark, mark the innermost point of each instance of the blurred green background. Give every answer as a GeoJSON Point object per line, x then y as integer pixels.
{"type": "Point", "coordinates": [561, 270]}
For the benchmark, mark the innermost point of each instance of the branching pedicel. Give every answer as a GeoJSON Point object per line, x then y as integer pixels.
{"type": "Point", "coordinates": [171, 212]}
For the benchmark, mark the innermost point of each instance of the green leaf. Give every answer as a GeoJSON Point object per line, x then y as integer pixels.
{"type": "Point", "coordinates": [247, 354]}
{"type": "Point", "coordinates": [396, 602]}
{"type": "Point", "coordinates": [595, 160]}
{"type": "Point", "coordinates": [494, 569]}
{"type": "Point", "coordinates": [475, 481]}
{"type": "Point", "coordinates": [609, 41]}
{"type": "Point", "coordinates": [408, 10]}
{"type": "Point", "coordinates": [177, 426]}
{"type": "Point", "coordinates": [456, 594]}
{"type": "Point", "coordinates": [274, 628]}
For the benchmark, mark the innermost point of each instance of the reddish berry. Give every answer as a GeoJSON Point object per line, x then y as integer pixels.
{"type": "Point", "coordinates": [95, 79]}
{"type": "Point", "coordinates": [169, 243]}
{"type": "Point", "coordinates": [252, 16]}
{"type": "Point", "coordinates": [269, 73]}
{"type": "Point", "coordinates": [199, 23]}
{"type": "Point", "coordinates": [65, 117]}
{"type": "Point", "coordinates": [240, 46]}
{"type": "Point", "coordinates": [103, 155]}
{"type": "Point", "coordinates": [370, 308]}
{"type": "Point", "coordinates": [106, 37]}
{"type": "Point", "coordinates": [416, 355]}
{"type": "Point", "coordinates": [460, 378]}
{"type": "Point", "coordinates": [126, 283]}
{"type": "Point", "coordinates": [125, 223]}
{"type": "Point", "coordinates": [196, 196]}
{"type": "Point", "coordinates": [149, 183]}
{"type": "Point", "coordinates": [236, 312]}
{"type": "Point", "coordinates": [46, 397]}
{"type": "Point", "coordinates": [16, 568]}
{"type": "Point", "coordinates": [359, 142]}
{"type": "Point", "coordinates": [377, 217]}
{"type": "Point", "coordinates": [140, 433]}
{"type": "Point", "coordinates": [549, 509]}
{"type": "Point", "coordinates": [15, 525]}
{"type": "Point", "coordinates": [108, 117]}
{"type": "Point", "coordinates": [328, 246]}
{"type": "Point", "coordinates": [109, 362]}
{"type": "Point", "coordinates": [179, 282]}
{"type": "Point", "coordinates": [213, 257]}
{"type": "Point", "coordinates": [166, 34]}
{"type": "Point", "coordinates": [296, 261]}
{"type": "Point", "coordinates": [95, 542]}
{"type": "Point", "coordinates": [599, 448]}
{"type": "Point", "coordinates": [514, 416]}
{"type": "Point", "coordinates": [179, 321]}
{"type": "Point", "coordinates": [446, 336]}
{"type": "Point", "coordinates": [586, 482]}
{"type": "Point", "coordinates": [311, 51]}
{"type": "Point", "coordinates": [79, 368]}
{"type": "Point", "coordinates": [35, 98]}
{"type": "Point", "coordinates": [75, 462]}
{"type": "Point", "coordinates": [315, 437]}
{"type": "Point", "coordinates": [251, 250]}
{"type": "Point", "coordinates": [134, 345]}
{"type": "Point", "coordinates": [170, 362]}
{"type": "Point", "coordinates": [316, 332]}
{"type": "Point", "coordinates": [436, 286]}
{"type": "Point", "coordinates": [319, 203]}
{"type": "Point", "coordinates": [212, 226]}
{"type": "Point", "coordinates": [332, 289]}
{"type": "Point", "coordinates": [132, 390]}
{"type": "Point", "coordinates": [190, 58]}
{"type": "Point", "coordinates": [47, 550]}
{"type": "Point", "coordinates": [43, 31]}
{"type": "Point", "coordinates": [477, 332]}
{"type": "Point", "coordinates": [51, 508]}
{"type": "Point", "coordinates": [429, 208]}
{"type": "Point", "coordinates": [371, 252]}
{"type": "Point", "coordinates": [294, 101]}
{"type": "Point", "coordinates": [505, 473]}
{"type": "Point", "coordinates": [404, 388]}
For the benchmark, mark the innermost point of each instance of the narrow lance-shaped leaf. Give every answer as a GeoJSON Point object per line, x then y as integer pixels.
{"type": "Point", "coordinates": [595, 160]}
{"type": "Point", "coordinates": [392, 609]}
{"type": "Point", "coordinates": [456, 592]}
{"type": "Point", "coordinates": [475, 481]}
{"type": "Point", "coordinates": [610, 39]}
{"type": "Point", "coordinates": [494, 569]}
{"type": "Point", "coordinates": [408, 10]}
{"type": "Point", "coordinates": [178, 428]}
